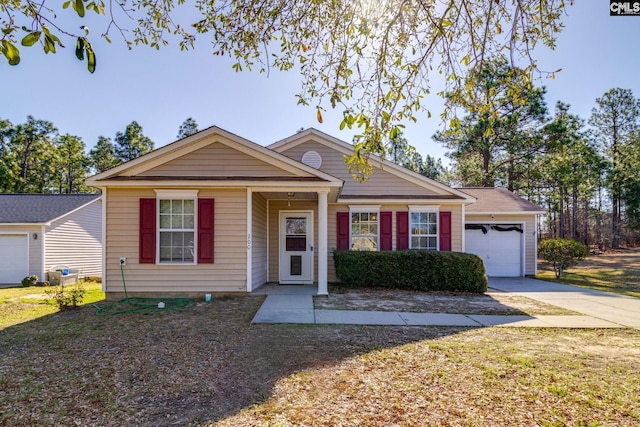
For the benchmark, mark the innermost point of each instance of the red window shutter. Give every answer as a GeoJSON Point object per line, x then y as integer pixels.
{"type": "Point", "coordinates": [402, 230]}
{"type": "Point", "coordinates": [205, 231]}
{"type": "Point", "coordinates": [343, 230]}
{"type": "Point", "coordinates": [147, 244]}
{"type": "Point", "coordinates": [445, 231]}
{"type": "Point", "coordinates": [386, 231]}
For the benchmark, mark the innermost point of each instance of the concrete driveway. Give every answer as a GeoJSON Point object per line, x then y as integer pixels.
{"type": "Point", "coordinates": [618, 309]}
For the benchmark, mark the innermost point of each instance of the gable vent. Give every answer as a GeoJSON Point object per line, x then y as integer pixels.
{"type": "Point", "coordinates": [312, 158]}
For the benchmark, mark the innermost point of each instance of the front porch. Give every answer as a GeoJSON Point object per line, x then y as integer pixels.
{"type": "Point", "coordinates": [287, 239]}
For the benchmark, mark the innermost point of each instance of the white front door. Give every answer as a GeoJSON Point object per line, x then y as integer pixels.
{"type": "Point", "coordinates": [296, 247]}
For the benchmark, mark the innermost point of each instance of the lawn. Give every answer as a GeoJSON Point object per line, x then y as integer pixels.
{"type": "Point", "coordinates": [209, 366]}
{"type": "Point", "coordinates": [614, 271]}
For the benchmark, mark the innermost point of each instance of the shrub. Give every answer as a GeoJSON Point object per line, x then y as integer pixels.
{"type": "Point", "coordinates": [29, 281]}
{"type": "Point", "coordinates": [65, 298]}
{"type": "Point", "coordinates": [411, 269]}
{"type": "Point", "coordinates": [562, 253]}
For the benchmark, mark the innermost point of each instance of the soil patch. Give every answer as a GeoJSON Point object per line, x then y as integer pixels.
{"type": "Point", "coordinates": [341, 298]}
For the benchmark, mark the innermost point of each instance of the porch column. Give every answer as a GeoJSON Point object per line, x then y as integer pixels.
{"type": "Point", "coordinates": [323, 288]}
{"type": "Point", "coordinates": [249, 230]}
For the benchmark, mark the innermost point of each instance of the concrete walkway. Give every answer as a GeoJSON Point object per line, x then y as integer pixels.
{"type": "Point", "coordinates": [294, 304]}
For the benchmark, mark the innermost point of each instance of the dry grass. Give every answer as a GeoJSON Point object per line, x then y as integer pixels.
{"type": "Point", "coordinates": [341, 298]}
{"type": "Point", "coordinates": [209, 365]}
{"type": "Point", "coordinates": [615, 271]}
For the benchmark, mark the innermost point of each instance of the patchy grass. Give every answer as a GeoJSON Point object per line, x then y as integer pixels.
{"type": "Point", "coordinates": [616, 271]}
{"type": "Point", "coordinates": [342, 298]}
{"type": "Point", "coordinates": [209, 366]}
{"type": "Point", "coordinates": [22, 304]}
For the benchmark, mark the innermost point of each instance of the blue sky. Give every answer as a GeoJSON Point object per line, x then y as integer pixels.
{"type": "Point", "coordinates": [160, 89]}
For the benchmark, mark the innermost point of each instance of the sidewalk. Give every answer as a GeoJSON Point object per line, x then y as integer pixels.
{"type": "Point", "coordinates": [289, 304]}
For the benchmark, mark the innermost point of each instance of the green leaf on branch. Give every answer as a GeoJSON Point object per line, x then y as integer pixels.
{"type": "Point", "coordinates": [31, 38]}
{"type": "Point", "coordinates": [91, 57]}
{"type": "Point", "coordinates": [10, 52]}
{"type": "Point", "coordinates": [78, 6]}
{"type": "Point", "coordinates": [80, 49]}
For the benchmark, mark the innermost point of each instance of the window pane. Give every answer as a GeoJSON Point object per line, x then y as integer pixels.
{"type": "Point", "coordinates": [165, 206]}
{"type": "Point", "coordinates": [189, 207]}
{"type": "Point", "coordinates": [176, 247]}
{"type": "Point", "coordinates": [355, 229]}
{"type": "Point", "coordinates": [364, 243]}
{"type": "Point", "coordinates": [296, 226]}
{"type": "Point", "coordinates": [176, 206]}
{"type": "Point", "coordinates": [176, 221]}
{"type": "Point", "coordinates": [165, 221]}
{"type": "Point", "coordinates": [165, 239]}
{"type": "Point", "coordinates": [431, 243]}
{"type": "Point", "coordinates": [188, 221]}
{"type": "Point", "coordinates": [433, 229]}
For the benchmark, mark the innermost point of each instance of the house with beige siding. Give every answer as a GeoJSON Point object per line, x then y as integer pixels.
{"type": "Point", "coordinates": [214, 212]}
{"type": "Point", "coordinates": [40, 231]}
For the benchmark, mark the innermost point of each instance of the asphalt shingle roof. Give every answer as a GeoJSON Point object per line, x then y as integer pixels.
{"type": "Point", "coordinates": [39, 208]}
{"type": "Point", "coordinates": [498, 200]}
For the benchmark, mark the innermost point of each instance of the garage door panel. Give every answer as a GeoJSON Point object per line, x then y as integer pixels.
{"type": "Point", "coordinates": [14, 260]}
{"type": "Point", "coordinates": [501, 251]}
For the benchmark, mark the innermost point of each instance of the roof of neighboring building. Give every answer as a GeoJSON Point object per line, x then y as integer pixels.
{"type": "Point", "coordinates": [39, 208]}
{"type": "Point", "coordinates": [498, 200]}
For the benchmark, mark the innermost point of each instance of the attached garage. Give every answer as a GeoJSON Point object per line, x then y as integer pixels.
{"type": "Point", "coordinates": [14, 257]}
{"type": "Point", "coordinates": [501, 228]}
{"type": "Point", "coordinates": [499, 245]}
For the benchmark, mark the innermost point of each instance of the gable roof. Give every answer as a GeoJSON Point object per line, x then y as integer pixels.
{"type": "Point", "coordinates": [498, 200]}
{"type": "Point", "coordinates": [445, 192]}
{"type": "Point", "coordinates": [138, 169]}
{"type": "Point", "coordinates": [40, 208]}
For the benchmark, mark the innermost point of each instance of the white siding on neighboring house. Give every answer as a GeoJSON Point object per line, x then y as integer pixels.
{"type": "Point", "coordinates": [228, 273]}
{"type": "Point", "coordinates": [76, 240]}
{"type": "Point", "coordinates": [259, 241]}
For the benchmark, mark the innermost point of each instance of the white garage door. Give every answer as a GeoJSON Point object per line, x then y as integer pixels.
{"type": "Point", "coordinates": [501, 251]}
{"type": "Point", "coordinates": [14, 260]}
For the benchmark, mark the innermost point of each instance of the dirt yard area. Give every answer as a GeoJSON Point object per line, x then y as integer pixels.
{"type": "Point", "coordinates": [434, 302]}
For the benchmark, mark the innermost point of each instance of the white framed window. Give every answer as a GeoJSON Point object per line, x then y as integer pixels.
{"type": "Point", "coordinates": [365, 229]}
{"type": "Point", "coordinates": [423, 227]}
{"type": "Point", "coordinates": [177, 216]}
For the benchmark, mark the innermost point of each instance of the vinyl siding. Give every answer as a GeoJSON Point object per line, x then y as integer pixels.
{"type": "Point", "coordinates": [259, 241]}
{"type": "Point", "coordinates": [216, 159]}
{"type": "Point", "coordinates": [529, 234]}
{"type": "Point", "coordinates": [75, 240]}
{"type": "Point", "coordinates": [456, 228]}
{"type": "Point", "coordinates": [381, 182]}
{"type": "Point", "coordinates": [226, 274]}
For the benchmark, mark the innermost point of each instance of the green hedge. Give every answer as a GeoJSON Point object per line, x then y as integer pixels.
{"type": "Point", "coordinates": [412, 269]}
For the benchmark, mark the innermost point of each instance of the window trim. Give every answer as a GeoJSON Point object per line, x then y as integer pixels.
{"type": "Point", "coordinates": [177, 195]}
{"type": "Point", "coordinates": [364, 209]}
{"type": "Point", "coordinates": [425, 209]}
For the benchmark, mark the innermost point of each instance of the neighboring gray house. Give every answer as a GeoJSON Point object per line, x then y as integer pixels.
{"type": "Point", "coordinates": [39, 231]}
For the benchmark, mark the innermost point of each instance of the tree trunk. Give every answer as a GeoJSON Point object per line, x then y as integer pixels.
{"type": "Point", "coordinates": [562, 214]}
